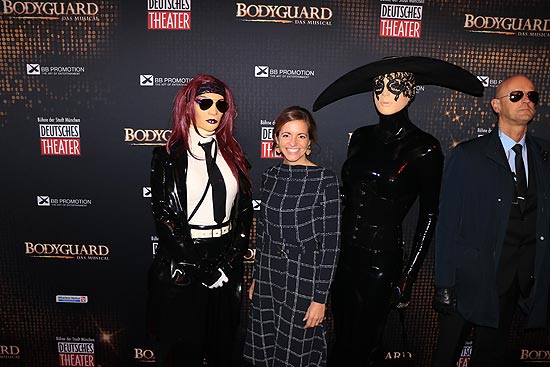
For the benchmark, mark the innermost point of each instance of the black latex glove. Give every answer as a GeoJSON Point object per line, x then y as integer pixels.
{"type": "Point", "coordinates": [444, 300]}
{"type": "Point", "coordinates": [403, 291]}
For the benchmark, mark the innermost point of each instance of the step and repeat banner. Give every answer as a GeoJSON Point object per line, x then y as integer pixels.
{"type": "Point", "coordinates": [86, 89]}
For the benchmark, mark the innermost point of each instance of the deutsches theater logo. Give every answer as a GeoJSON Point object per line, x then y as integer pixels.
{"type": "Point", "coordinates": [147, 137]}
{"type": "Point", "coordinates": [169, 15]}
{"type": "Point", "coordinates": [267, 148]}
{"type": "Point", "coordinates": [285, 14]}
{"type": "Point", "coordinates": [76, 351]}
{"type": "Point", "coordinates": [50, 10]}
{"type": "Point", "coordinates": [61, 137]}
{"type": "Point", "coordinates": [399, 20]}
{"type": "Point", "coordinates": [67, 251]}
{"type": "Point", "coordinates": [464, 359]}
{"type": "Point", "coordinates": [509, 26]}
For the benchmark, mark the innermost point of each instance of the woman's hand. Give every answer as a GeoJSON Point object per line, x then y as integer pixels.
{"type": "Point", "coordinates": [314, 315]}
{"type": "Point", "coordinates": [251, 290]}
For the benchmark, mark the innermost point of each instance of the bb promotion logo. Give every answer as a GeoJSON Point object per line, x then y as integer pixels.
{"type": "Point", "coordinates": [169, 15]}
{"type": "Point", "coordinates": [37, 69]}
{"type": "Point", "coordinates": [264, 71]}
{"type": "Point", "coordinates": [149, 80]}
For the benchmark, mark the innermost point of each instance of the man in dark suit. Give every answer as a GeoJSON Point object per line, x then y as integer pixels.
{"type": "Point", "coordinates": [492, 235]}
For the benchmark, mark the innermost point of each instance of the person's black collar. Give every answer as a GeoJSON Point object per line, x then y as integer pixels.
{"type": "Point", "coordinates": [394, 127]}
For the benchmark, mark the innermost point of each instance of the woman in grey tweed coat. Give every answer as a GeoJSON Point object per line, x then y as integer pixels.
{"type": "Point", "coordinates": [296, 254]}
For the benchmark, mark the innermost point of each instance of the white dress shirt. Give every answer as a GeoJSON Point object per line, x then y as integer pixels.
{"type": "Point", "coordinates": [197, 178]}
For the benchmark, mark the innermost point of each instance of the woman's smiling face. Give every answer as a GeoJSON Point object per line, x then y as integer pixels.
{"type": "Point", "coordinates": [293, 140]}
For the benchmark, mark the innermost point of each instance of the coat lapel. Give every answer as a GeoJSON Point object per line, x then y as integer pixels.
{"type": "Point", "coordinates": [495, 151]}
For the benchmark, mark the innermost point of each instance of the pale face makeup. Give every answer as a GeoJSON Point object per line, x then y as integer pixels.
{"type": "Point", "coordinates": [393, 92]}
{"type": "Point", "coordinates": [208, 121]}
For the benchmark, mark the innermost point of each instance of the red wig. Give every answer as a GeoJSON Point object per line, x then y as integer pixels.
{"type": "Point", "coordinates": [183, 118]}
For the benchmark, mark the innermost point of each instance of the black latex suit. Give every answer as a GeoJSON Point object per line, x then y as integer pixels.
{"type": "Point", "coordinates": [389, 166]}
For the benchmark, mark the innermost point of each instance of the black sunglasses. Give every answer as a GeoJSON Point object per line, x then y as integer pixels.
{"type": "Point", "coordinates": [206, 103]}
{"type": "Point", "coordinates": [517, 95]}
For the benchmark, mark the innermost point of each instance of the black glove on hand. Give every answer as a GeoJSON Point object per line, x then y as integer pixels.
{"type": "Point", "coordinates": [444, 300]}
{"type": "Point", "coordinates": [403, 292]}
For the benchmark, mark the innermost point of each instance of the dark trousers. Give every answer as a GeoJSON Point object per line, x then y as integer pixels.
{"type": "Point", "coordinates": [193, 323]}
{"type": "Point", "coordinates": [210, 332]}
{"type": "Point", "coordinates": [360, 297]}
{"type": "Point", "coordinates": [489, 344]}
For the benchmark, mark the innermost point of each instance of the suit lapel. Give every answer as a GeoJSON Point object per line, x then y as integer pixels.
{"type": "Point", "coordinates": [495, 151]}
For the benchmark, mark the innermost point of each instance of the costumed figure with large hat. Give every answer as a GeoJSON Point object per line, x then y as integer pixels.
{"type": "Point", "coordinates": [389, 165]}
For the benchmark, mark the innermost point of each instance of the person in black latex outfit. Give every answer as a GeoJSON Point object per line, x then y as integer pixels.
{"type": "Point", "coordinates": [388, 166]}
{"type": "Point", "coordinates": [195, 280]}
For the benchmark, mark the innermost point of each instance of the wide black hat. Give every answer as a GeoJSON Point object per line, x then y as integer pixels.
{"type": "Point", "coordinates": [427, 71]}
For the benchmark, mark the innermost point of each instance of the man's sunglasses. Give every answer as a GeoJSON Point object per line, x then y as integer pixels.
{"type": "Point", "coordinates": [517, 95]}
{"type": "Point", "coordinates": [206, 103]}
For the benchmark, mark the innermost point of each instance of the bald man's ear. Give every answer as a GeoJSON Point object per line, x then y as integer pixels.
{"type": "Point", "coordinates": [495, 103]}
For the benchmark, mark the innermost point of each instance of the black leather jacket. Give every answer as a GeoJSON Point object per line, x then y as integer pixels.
{"type": "Point", "coordinates": [389, 166]}
{"type": "Point", "coordinates": [169, 197]}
